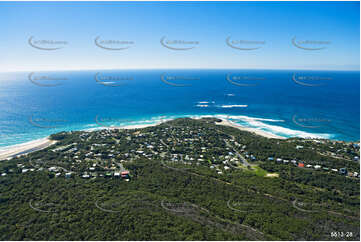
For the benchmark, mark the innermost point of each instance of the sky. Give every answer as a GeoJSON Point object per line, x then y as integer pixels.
{"type": "Point", "coordinates": [260, 35]}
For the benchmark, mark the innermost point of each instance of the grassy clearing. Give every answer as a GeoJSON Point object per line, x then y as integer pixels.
{"type": "Point", "coordinates": [258, 171]}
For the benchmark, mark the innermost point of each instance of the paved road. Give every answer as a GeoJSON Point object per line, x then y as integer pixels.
{"type": "Point", "coordinates": [245, 162]}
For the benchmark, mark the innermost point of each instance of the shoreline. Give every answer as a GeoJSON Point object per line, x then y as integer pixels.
{"type": "Point", "coordinates": [25, 148]}
{"type": "Point", "coordinates": [228, 123]}
{"type": "Point", "coordinates": [224, 122]}
{"type": "Point", "coordinates": [8, 152]}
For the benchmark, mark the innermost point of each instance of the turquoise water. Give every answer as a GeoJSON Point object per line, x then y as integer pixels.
{"type": "Point", "coordinates": [322, 104]}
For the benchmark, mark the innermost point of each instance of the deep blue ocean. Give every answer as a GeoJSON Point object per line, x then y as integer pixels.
{"type": "Point", "coordinates": [324, 104]}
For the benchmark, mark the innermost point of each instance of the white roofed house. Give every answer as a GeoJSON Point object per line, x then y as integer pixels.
{"type": "Point", "coordinates": [53, 168]}
{"type": "Point", "coordinates": [85, 176]}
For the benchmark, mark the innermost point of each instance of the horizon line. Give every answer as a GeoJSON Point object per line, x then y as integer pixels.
{"type": "Point", "coordinates": [140, 69]}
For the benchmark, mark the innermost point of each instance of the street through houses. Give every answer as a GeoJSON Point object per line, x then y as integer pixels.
{"type": "Point", "coordinates": [245, 162]}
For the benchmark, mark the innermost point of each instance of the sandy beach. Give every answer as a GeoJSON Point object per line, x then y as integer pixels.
{"type": "Point", "coordinates": [25, 148]}
{"type": "Point", "coordinates": [35, 145]}
{"type": "Point", "coordinates": [224, 122]}
{"type": "Point", "coordinates": [252, 130]}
